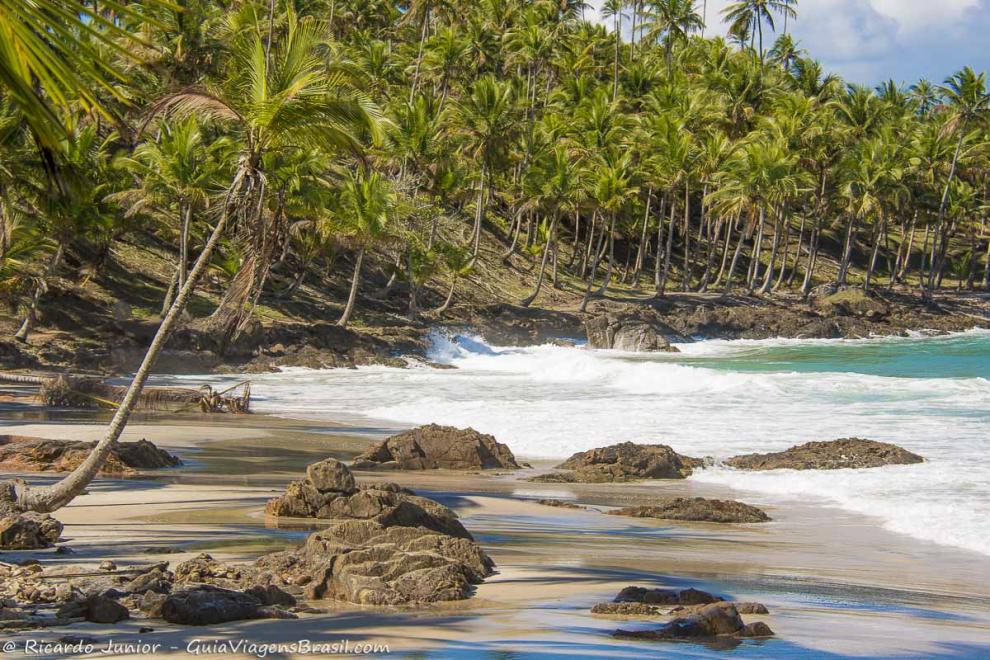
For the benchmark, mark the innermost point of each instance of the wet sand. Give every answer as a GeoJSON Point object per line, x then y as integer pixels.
{"type": "Point", "coordinates": [837, 584]}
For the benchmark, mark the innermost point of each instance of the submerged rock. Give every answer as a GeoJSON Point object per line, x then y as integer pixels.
{"type": "Point", "coordinates": [29, 531]}
{"type": "Point", "coordinates": [387, 504]}
{"type": "Point", "coordinates": [710, 621]}
{"type": "Point", "coordinates": [831, 455]}
{"type": "Point", "coordinates": [27, 454]}
{"type": "Point", "coordinates": [641, 331]}
{"type": "Point", "coordinates": [561, 504]}
{"type": "Point", "coordinates": [629, 461]}
{"type": "Point", "coordinates": [433, 447]}
{"type": "Point", "coordinates": [698, 509]}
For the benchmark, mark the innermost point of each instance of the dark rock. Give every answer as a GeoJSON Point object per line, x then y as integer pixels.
{"type": "Point", "coordinates": [29, 531]}
{"type": "Point", "coordinates": [205, 605]}
{"type": "Point", "coordinates": [625, 609]}
{"type": "Point", "coordinates": [271, 595]}
{"type": "Point", "coordinates": [832, 455]}
{"type": "Point", "coordinates": [751, 608]}
{"type": "Point", "coordinates": [638, 331]}
{"type": "Point", "coordinates": [689, 596]}
{"type": "Point", "coordinates": [853, 302]}
{"type": "Point", "coordinates": [204, 569]}
{"type": "Point", "coordinates": [433, 447]}
{"type": "Point", "coordinates": [107, 565]}
{"type": "Point", "coordinates": [151, 604]}
{"type": "Point", "coordinates": [27, 454]}
{"type": "Point", "coordinates": [101, 609]}
{"type": "Point", "coordinates": [270, 612]}
{"type": "Point", "coordinates": [64, 550]}
{"type": "Point", "coordinates": [629, 461]}
{"type": "Point", "coordinates": [554, 478]}
{"type": "Point", "coordinates": [145, 629]}
{"type": "Point", "coordinates": [697, 509]}
{"type": "Point", "coordinates": [711, 621]}
{"type": "Point", "coordinates": [156, 581]}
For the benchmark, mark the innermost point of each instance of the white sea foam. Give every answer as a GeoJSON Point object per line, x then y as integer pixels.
{"type": "Point", "coordinates": [548, 401]}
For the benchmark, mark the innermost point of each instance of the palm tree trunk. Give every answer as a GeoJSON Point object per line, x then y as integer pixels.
{"type": "Point", "coordinates": [686, 276]}
{"type": "Point", "coordinates": [355, 282]}
{"type": "Point", "coordinates": [768, 279]}
{"type": "Point", "coordinates": [50, 498]}
{"type": "Point", "coordinates": [873, 257]}
{"type": "Point", "coordinates": [29, 318]}
{"type": "Point", "coordinates": [662, 287]}
{"type": "Point", "coordinates": [735, 260]}
{"type": "Point", "coordinates": [479, 213]}
{"type": "Point", "coordinates": [847, 250]}
{"type": "Point", "coordinates": [170, 292]}
{"type": "Point", "coordinates": [528, 300]}
{"type": "Point", "coordinates": [594, 265]}
{"type": "Point", "coordinates": [450, 296]}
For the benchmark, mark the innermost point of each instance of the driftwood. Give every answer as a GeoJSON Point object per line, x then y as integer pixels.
{"type": "Point", "coordinates": [63, 391]}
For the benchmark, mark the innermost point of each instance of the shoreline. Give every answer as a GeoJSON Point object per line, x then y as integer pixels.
{"type": "Point", "coordinates": [553, 564]}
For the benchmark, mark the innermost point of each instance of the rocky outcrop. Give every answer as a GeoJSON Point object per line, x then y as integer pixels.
{"type": "Point", "coordinates": [689, 596]}
{"type": "Point", "coordinates": [364, 562]}
{"type": "Point", "coordinates": [639, 331]}
{"type": "Point", "coordinates": [560, 504]}
{"type": "Point", "coordinates": [27, 454]}
{"type": "Point", "coordinates": [333, 495]}
{"type": "Point", "coordinates": [831, 455]}
{"type": "Point", "coordinates": [625, 609]}
{"type": "Point", "coordinates": [853, 302]}
{"type": "Point", "coordinates": [698, 509]}
{"type": "Point", "coordinates": [386, 546]}
{"type": "Point", "coordinates": [712, 621]}
{"type": "Point", "coordinates": [28, 531]}
{"type": "Point", "coordinates": [433, 447]}
{"type": "Point", "coordinates": [627, 462]}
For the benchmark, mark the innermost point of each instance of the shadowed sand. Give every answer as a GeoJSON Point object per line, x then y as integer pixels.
{"type": "Point", "coordinates": [836, 584]}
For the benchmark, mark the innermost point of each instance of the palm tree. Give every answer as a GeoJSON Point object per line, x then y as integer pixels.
{"type": "Point", "coordinates": [749, 16]}
{"type": "Point", "coordinates": [276, 101]}
{"type": "Point", "coordinates": [487, 119]}
{"type": "Point", "coordinates": [363, 216]}
{"type": "Point", "coordinates": [672, 21]}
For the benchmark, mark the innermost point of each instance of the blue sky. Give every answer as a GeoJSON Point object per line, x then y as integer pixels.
{"type": "Point", "coordinates": [868, 41]}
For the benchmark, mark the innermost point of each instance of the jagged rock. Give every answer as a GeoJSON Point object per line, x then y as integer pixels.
{"type": "Point", "coordinates": [629, 461]}
{"type": "Point", "coordinates": [711, 621]}
{"type": "Point", "coordinates": [831, 455]}
{"type": "Point", "coordinates": [639, 331]}
{"type": "Point", "coordinates": [107, 565]}
{"type": "Point", "coordinates": [751, 608]}
{"type": "Point", "coordinates": [689, 596]}
{"type": "Point", "coordinates": [387, 504]}
{"type": "Point", "coordinates": [364, 562]}
{"type": "Point", "coordinates": [206, 604]}
{"type": "Point", "coordinates": [101, 609]}
{"type": "Point", "coordinates": [433, 447]}
{"type": "Point", "coordinates": [156, 581]}
{"type": "Point", "coordinates": [269, 594]}
{"type": "Point", "coordinates": [697, 509]}
{"type": "Point", "coordinates": [853, 302]}
{"type": "Point", "coordinates": [29, 531]}
{"type": "Point", "coordinates": [625, 609]}
{"type": "Point", "coordinates": [27, 454]}
{"type": "Point", "coordinates": [554, 478]}
{"type": "Point", "coordinates": [204, 569]}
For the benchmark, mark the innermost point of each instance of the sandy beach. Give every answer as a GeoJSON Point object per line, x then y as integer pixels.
{"type": "Point", "coordinates": [836, 584]}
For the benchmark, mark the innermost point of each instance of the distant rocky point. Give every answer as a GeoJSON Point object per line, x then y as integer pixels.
{"type": "Point", "coordinates": [831, 455]}
{"type": "Point", "coordinates": [433, 447]}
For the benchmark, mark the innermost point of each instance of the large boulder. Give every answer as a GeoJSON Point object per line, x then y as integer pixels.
{"type": "Point", "coordinates": [698, 509]}
{"type": "Point", "coordinates": [629, 461]}
{"type": "Point", "coordinates": [364, 562]}
{"type": "Point", "coordinates": [205, 605]}
{"type": "Point", "coordinates": [712, 621]}
{"type": "Point", "coordinates": [433, 447]}
{"type": "Point", "coordinates": [28, 454]}
{"type": "Point", "coordinates": [386, 504]}
{"type": "Point", "coordinates": [635, 332]}
{"type": "Point", "coordinates": [646, 596]}
{"type": "Point", "coordinates": [853, 302]}
{"type": "Point", "coordinates": [831, 455]}
{"type": "Point", "coordinates": [28, 531]}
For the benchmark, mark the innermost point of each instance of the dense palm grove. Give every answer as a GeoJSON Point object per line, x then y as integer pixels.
{"type": "Point", "coordinates": [270, 141]}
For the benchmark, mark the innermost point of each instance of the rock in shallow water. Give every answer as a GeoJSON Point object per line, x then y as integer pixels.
{"type": "Point", "coordinates": [712, 621]}
{"type": "Point", "coordinates": [434, 447]}
{"type": "Point", "coordinates": [832, 455]}
{"type": "Point", "coordinates": [626, 461]}
{"type": "Point", "coordinates": [640, 331]}
{"type": "Point", "coordinates": [698, 509]}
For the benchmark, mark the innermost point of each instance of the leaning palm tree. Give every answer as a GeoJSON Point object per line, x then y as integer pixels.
{"type": "Point", "coordinates": [748, 16]}
{"type": "Point", "coordinates": [278, 99]}
{"type": "Point", "coordinates": [363, 216]}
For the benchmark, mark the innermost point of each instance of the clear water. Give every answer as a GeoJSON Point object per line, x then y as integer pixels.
{"type": "Point", "coordinates": [716, 398]}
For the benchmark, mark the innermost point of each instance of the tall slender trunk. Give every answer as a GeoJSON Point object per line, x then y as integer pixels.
{"type": "Point", "coordinates": [847, 250]}
{"type": "Point", "coordinates": [594, 265]}
{"type": "Point", "coordinates": [809, 272]}
{"type": "Point", "coordinates": [528, 300]}
{"type": "Point", "coordinates": [49, 498]}
{"type": "Point", "coordinates": [479, 213]}
{"type": "Point", "coordinates": [735, 260]}
{"type": "Point", "coordinates": [450, 296]}
{"type": "Point", "coordinates": [355, 282]}
{"type": "Point", "coordinates": [775, 244]}
{"type": "Point", "coordinates": [873, 257]}
{"type": "Point", "coordinates": [797, 253]}
{"type": "Point", "coordinates": [657, 280]}
{"type": "Point", "coordinates": [754, 264]}
{"type": "Point", "coordinates": [686, 276]}
{"type": "Point", "coordinates": [662, 287]}
{"type": "Point", "coordinates": [39, 290]}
